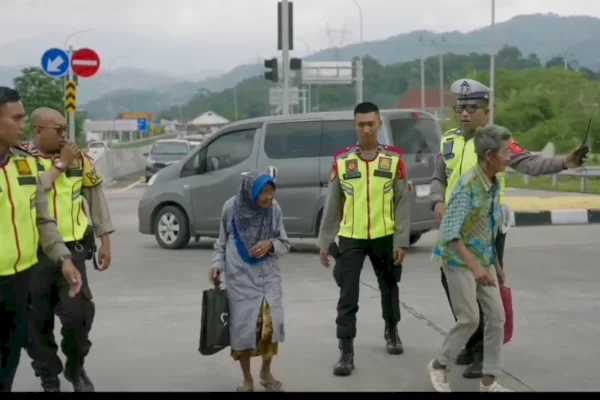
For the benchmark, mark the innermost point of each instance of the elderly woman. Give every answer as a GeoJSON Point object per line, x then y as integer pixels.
{"type": "Point", "coordinates": [465, 248]}
{"type": "Point", "coordinates": [250, 244]}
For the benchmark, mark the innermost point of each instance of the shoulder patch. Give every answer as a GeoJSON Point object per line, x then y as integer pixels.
{"type": "Point", "coordinates": [342, 151]}
{"type": "Point", "coordinates": [86, 155]}
{"type": "Point", "coordinates": [514, 147]}
{"type": "Point", "coordinates": [401, 172]}
{"type": "Point", "coordinates": [393, 149]}
{"type": "Point", "coordinates": [20, 151]}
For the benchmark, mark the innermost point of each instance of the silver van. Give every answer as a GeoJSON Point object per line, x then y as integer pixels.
{"type": "Point", "coordinates": [185, 199]}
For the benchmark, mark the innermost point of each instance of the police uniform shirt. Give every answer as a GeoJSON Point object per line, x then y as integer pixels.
{"type": "Point", "coordinates": [93, 193]}
{"type": "Point", "coordinates": [50, 239]}
{"type": "Point", "coordinates": [334, 205]}
{"type": "Point", "coordinates": [468, 91]}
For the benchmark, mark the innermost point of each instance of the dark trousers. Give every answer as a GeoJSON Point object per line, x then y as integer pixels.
{"type": "Point", "coordinates": [475, 343]}
{"type": "Point", "coordinates": [14, 298]}
{"type": "Point", "coordinates": [49, 296]}
{"type": "Point", "coordinates": [348, 266]}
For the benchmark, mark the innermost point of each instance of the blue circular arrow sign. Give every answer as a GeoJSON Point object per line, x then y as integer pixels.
{"type": "Point", "coordinates": [55, 62]}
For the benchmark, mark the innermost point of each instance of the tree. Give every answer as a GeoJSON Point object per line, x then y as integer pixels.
{"type": "Point", "coordinates": [39, 90]}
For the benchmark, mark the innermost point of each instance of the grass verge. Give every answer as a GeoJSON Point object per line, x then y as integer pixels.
{"type": "Point", "coordinates": [565, 183]}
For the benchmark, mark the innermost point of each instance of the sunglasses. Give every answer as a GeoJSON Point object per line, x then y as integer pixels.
{"type": "Point", "coordinates": [470, 108]}
{"type": "Point", "coordinates": [60, 130]}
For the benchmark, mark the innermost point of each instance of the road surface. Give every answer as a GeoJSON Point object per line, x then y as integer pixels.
{"type": "Point", "coordinates": [145, 336]}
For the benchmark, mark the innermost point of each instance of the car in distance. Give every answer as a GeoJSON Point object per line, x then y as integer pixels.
{"type": "Point", "coordinates": [165, 152]}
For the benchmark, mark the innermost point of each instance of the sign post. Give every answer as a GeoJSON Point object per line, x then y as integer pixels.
{"type": "Point", "coordinates": [70, 98]}
{"type": "Point", "coordinates": [85, 63]}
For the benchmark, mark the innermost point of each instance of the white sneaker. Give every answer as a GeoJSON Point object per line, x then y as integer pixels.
{"type": "Point", "coordinates": [494, 387]}
{"type": "Point", "coordinates": [439, 378]}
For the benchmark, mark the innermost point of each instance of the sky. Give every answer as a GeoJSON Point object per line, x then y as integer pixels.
{"type": "Point", "coordinates": [183, 35]}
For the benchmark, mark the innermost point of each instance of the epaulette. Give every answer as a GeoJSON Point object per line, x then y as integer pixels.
{"type": "Point", "coordinates": [393, 149]}
{"type": "Point", "coordinates": [20, 151]}
{"type": "Point", "coordinates": [342, 151]}
{"type": "Point", "coordinates": [453, 131]}
{"type": "Point", "coordinates": [86, 155]}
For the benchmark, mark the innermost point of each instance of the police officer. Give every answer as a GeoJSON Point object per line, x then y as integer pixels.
{"type": "Point", "coordinates": [22, 201]}
{"type": "Point", "coordinates": [458, 156]}
{"type": "Point", "coordinates": [68, 176]}
{"type": "Point", "coordinates": [368, 187]}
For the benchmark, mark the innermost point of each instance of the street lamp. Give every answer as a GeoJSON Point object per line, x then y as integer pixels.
{"type": "Point", "coordinates": [110, 82]}
{"type": "Point", "coordinates": [493, 64]}
{"type": "Point", "coordinates": [441, 61]}
{"type": "Point", "coordinates": [308, 96]}
{"type": "Point", "coordinates": [362, 47]}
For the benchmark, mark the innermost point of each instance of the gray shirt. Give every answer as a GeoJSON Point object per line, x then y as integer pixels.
{"type": "Point", "coordinates": [332, 213]}
{"type": "Point", "coordinates": [520, 160]}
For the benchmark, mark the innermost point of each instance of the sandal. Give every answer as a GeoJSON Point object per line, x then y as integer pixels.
{"type": "Point", "coordinates": [272, 386]}
{"type": "Point", "coordinates": [244, 389]}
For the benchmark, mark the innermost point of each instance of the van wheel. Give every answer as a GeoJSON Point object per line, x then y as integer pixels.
{"type": "Point", "coordinates": [414, 238]}
{"type": "Point", "coordinates": [171, 228]}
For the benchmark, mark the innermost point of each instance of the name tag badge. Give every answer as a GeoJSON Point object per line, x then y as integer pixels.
{"type": "Point", "coordinates": [447, 150]}
{"type": "Point", "coordinates": [385, 163]}
{"type": "Point", "coordinates": [352, 175]}
{"type": "Point", "coordinates": [383, 174]}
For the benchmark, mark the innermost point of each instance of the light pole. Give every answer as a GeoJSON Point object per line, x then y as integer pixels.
{"type": "Point", "coordinates": [441, 58]}
{"type": "Point", "coordinates": [493, 64]}
{"type": "Point", "coordinates": [70, 77]}
{"type": "Point", "coordinates": [110, 80]}
{"type": "Point", "coordinates": [362, 51]}
{"type": "Point", "coordinates": [422, 74]}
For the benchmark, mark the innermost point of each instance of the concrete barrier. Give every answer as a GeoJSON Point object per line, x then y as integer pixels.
{"type": "Point", "coordinates": [114, 164]}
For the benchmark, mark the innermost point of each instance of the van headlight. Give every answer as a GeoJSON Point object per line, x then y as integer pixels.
{"type": "Point", "coordinates": [152, 179]}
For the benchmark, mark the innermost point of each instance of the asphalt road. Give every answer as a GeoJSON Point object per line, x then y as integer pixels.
{"type": "Point", "coordinates": [148, 310]}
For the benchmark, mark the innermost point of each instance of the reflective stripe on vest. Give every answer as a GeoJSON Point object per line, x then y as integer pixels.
{"type": "Point", "coordinates": [368, 188]}
{"type": "Point", "coordinates": [66, 201]}
{"type": "Point", "coordinates": [19, 233]}
{"type": "Point", "coordinates": [461, 157]}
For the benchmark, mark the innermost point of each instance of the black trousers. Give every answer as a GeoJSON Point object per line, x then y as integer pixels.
{"type": "Point", "coordinates": [346, 272]}
{"type": "Point", "coordinates": [475, 343]}
{"type": "Point", "coordinates": [14, 298]}
{"type": "Point", "coordinates": [50, 296]}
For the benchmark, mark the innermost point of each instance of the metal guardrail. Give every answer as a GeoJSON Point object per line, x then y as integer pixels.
{"type": "Point", "coordinates": [584, 174]}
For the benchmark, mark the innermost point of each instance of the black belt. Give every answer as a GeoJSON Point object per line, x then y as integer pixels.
{"type": "Point", "coordinates": [87, 241]}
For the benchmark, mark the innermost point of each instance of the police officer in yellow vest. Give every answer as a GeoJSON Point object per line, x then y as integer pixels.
{"type": "Point", "coordinates": [457, 155]}
{"type": "Point", "coordinates": [368, 207]}
{"type": "Point", "coordinates": [24, 224]}
{"type": "Point", "coordinates": [69, 177]}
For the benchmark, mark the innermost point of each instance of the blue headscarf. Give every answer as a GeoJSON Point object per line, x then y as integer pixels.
{"type": "Point", "coordinates": [250, 223]}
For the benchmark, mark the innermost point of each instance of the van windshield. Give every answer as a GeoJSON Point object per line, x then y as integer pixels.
{"type": "Point", "coordinates": [416, 135]}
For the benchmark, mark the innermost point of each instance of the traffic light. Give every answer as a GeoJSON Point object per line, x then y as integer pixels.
{"type": "Point", "coordinates": [295, 64]}
{"type": "Point", "coordinates": [273, 74]}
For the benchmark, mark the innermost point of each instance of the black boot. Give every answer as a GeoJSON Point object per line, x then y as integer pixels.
{"type": "Point", "coordinates": [51, 385]}
{"type": "Point", "coordinates": [475, 369]}
{"type": "Point", "coordinates": [465, 357]}
{"type": "Point", "coordinates": [80, 381]}
{"type": "Point", "coordinates": [345, 364]}
{"type": "Point", "coordinates": [393, 342]}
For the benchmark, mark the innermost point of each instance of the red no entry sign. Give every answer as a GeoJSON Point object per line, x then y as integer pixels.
{"type": "Point", "coordinates": [85, 63]}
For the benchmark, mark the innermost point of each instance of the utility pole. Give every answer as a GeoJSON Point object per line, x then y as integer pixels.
{"type": "Point", "coordinates": [422, 74]}
{"type": "Point", "coordinates": [493, 65]}
{"type": "Point", "coordinates": [71, 113]}
{"type": "Point", "coordinates": [285, 56]}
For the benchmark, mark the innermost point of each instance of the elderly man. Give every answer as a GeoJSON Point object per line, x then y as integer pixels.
{"type": "Point", "coordinates": [466, 250]}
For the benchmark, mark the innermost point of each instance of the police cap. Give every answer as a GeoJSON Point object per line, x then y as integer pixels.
{"type": "Point", "coordinates": [470, 89]}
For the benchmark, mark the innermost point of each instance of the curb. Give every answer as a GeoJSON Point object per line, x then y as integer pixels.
{"type": "Point", "coordinates": [555, 217]}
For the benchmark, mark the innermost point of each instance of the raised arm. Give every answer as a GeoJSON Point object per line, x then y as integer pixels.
{"type": "Point", "coordinates": [533, 164]}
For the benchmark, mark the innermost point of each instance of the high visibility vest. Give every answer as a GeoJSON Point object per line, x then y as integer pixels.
{"type": "Point", "coordinates": [460, 157]}
{"type": "Point", "coordinates": [368, 187]}
{"type": "Point", "coordinates": [19, 236]}
{"type": "Point", "coordinates": [66, 200]}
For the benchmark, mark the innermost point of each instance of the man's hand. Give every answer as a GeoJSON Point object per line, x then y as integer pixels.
{"type": "Point", "coordinates": [324, 256]}
{"type": "Point", "coordinates": [72, 276]}
{"type": "Point", "coordinates": [398, 256]}
{"type": "Point", "coordinates": [482, 276]}
{"type": "Point", "coordinates": [69, 153]}
{"type": "Point", "coordinates": [214, 276]}
{"type": "Point", "coordinates": [439, 210]}
{"type": "Point", "coordinates": [500, 275]}
{"type": "Point", "coordinates": [261, 249]}
{"type": "Point", "coordinates": [572, 159]}
{"type": "Point", "coordinates": [104, 256]}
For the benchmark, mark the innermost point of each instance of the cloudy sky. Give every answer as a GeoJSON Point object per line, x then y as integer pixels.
{"type": "Point", "coordinates": [190, 34]}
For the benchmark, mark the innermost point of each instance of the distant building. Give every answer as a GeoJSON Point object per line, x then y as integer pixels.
{"type": "Point", "coordinates": [209, 121]}
{"type": "Point", "coordinates": [412, 99]}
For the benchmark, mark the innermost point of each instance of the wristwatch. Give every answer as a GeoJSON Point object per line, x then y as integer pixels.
{"type": "Point", "coordinates": [59, 165]}
{"type": "Point", "coordinates": [64, 258]}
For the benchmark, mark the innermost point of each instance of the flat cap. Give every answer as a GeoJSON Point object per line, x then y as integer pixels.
{"type": "Point", "coordinates": [470, 89]}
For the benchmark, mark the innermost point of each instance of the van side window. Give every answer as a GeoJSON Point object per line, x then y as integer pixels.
{"type": "Point", "coordinates": [229, 149]}
{"type": "Point", "coordinates": [421, 135]}
{"type": "Point", "coordinates": [293, 140]}
{"type": "Point", "coordinates": [336, 136]}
